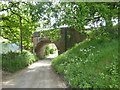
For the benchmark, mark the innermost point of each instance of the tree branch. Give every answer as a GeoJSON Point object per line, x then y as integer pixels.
{"type": "Point", "coordinates": [5, 26]}
{"type": "Point", "coordinates": [11, 31]}
{"type": "Point", "coordinates": [19, 15]}
{"type": "Point", "coordinates": [5, 18]}
{"type": "Point", "coordinates": [5, 9]}
{"type": "Point", "coordinates": [88, 19]}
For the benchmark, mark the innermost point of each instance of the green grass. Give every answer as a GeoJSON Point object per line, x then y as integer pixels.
{"type": "Point", "coordinates": [14, 61]}
{"type": "Point", "coordinates": [90, 64]}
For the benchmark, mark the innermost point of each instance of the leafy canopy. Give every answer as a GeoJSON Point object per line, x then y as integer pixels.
{"type": "Point", "coordinates": [48, 14]}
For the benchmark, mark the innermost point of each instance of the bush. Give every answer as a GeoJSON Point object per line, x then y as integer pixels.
{"type": "Point", "coordinates": [90, 64]}
{"type": "Point", "coordinates": [47, 51]}
{"type": "Point", "coordinates": [14, 61]}
{"type": "Point", "coordinates": [52, 51]}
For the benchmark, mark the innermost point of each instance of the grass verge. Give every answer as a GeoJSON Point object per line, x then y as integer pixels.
{"type": "Point", "coordinates": [92, 63]}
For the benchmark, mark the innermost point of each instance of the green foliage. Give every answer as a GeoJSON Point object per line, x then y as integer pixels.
{"type": "Point", "coordinates": [10, 19]}
{"type": "Point", "coordinates": [47, 50]}
{"type": "Point", "coordinates": [14, 61]}
{"type": "Point", "coordinates": [90, 64]}
{"type": "Point", "coordinates": [79, 14]}
{"type": "Point", "coordinates": [53, 34]}
{"type": "Point", "coordinates": [102, 33]}
{"type": "Point", "coordinates": [73, 14]}
{"type": "Point", "coordinates": [52, 51]}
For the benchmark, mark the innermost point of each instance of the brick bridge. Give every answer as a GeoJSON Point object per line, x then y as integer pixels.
{"type": "Point", "coordinates": [63, 44]}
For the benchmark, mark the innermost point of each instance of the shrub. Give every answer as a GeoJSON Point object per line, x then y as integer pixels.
{"type": "Point", "coordinates": [14, 61]}
{"type": "Point", "coordinates": [52, 51]}
{"type": "Point", "coordinates": [47, 50]}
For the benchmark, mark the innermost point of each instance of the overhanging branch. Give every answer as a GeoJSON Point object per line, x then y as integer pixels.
{"type": "Point", "coordinates": [88, 19]}
{"type": "Point", "coordinates": [5, 26]}
{"type": "Point", "coordinates": [5, 9]}
{"type": "Point", "coordinates": [19, 15]}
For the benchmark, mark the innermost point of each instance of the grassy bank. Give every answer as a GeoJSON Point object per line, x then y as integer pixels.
{"type": "Point", "coordinates": [14, 61]}
{"type": "Point", "coordinates": [90, 64]}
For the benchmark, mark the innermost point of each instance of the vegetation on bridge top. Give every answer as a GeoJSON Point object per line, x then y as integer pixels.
{"type": "Point", "coordinates": [53, 34]}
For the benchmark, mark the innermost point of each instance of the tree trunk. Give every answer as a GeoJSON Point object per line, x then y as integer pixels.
{"type": "Point", "coordinates": [21, 34]}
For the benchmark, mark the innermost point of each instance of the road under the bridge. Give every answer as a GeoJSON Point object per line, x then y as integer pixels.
{"type": "Point", "coordinates": [38, 75]}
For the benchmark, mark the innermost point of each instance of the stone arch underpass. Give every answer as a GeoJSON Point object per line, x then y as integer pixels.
{"type": "Point", "coordinates": [41, 45]}
{"type": "Point", "coordinates": [63, 44]}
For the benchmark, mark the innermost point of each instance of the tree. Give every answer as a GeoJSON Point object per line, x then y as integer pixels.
{"type": "Point", "coordinates": [72, 14]}
{"type": "Point", "coordinates": [17, 17]}
{"type": "Point", "coordinates": [79, 14]}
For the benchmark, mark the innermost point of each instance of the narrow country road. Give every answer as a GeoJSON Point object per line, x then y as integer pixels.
{"type": "Point", "coordinates": [38, 75]}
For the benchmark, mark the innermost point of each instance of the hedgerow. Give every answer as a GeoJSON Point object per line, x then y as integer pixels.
{"type": "Point", "coordinates": [14, 61]}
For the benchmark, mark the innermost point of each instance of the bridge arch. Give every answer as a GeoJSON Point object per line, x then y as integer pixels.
{"type": "Point", "coordinates": [63, 44]}
{"type": "Point", "coordinates": [41, 46]}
